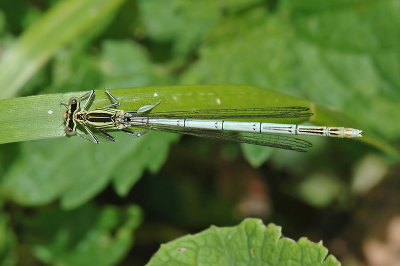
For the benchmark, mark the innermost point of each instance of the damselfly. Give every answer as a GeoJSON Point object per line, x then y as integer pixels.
{"type": "Point", "coordinates": [203, 123]}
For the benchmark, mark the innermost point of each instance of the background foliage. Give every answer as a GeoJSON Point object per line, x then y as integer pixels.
{"type": "Point", "coordinates": [65, 201]}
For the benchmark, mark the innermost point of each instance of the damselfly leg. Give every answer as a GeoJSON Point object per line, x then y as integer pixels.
{"type": "Point", "coordinates": [91, 134]}
{"type": "Point", "coordinates": [116, 102]}
{"type": "Point", "coordinates": [90, 94]}
{"type": "Point", "coordinates": [106, 135]}
{"type": "Point", "coordinates": [136, 133]}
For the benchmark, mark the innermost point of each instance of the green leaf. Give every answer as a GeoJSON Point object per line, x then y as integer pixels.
{"type": "Point", "coordinates": [320, 190]}
{"type": "Point", "coordinates": [2, 22]}
{"type": "Point", "coordinates": [62, 24]}
{"type": "Point", "coordinates": [73, 69]}
{"type": "Point", "coordinates": [84, 236]}
{"type": "Point", "coordinates": [256, 155]}
{"type": "Point", "coordinates": [250, 243]}
{"type": "Point", "coordinates": [150, 154]}
{"type": "Point", "coordinates": [264, 59]}
{"type": "Point", "coordinates": [15, 13]}
{"type": "Point", "coordinates": [185, 23]}
{"type": "Point", "coordinates": [126, 64]}
{"type": "Point", "coordinates": [7, 242]}
{"type": "Point", "coordinates": [33, 181]}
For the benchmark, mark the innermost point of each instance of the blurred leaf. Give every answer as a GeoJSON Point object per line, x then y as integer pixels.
{"type": "Point", "coordinates": [124, 24]}
{"type": "Point", "coordinates": [185, 23]}
{"type": "Point", "coordinates": [7, 242]}
{"type": "Point", "coordinates": [355, 53]}
{"type": "Point", "coordinates": [150, 154]}
{"type": "Point", "coordinates": [34, 181]}
{"type": "Point", "coordinates": [333, 58]}
{"type": "Point", "coordinates": [368, 173]}
{"type": "Point", "coordinates": [2, 22]}
{"type": "Point", "coordinates": [320, 190]}
{"type": "Point", "coordinates": [15, 12]}
{"type": "Point", "coordinates": [62, 24]}
{"type": "Point", "coordinates": [126, 64]}
{"type": "Point", "coordinates": [121, 64]}
{"type": "Point", "coordinates": [250, 243]}
{"type": "Point", "coordinates": [179, 21]}
{"type": "Point", "coordinates": [73, 70]}
{"type": "Point", "coordinates": [249, 49]}
{"type": "Point", "coordinates": [133, 157]}
{"type": "Point", "coordinates": [85, 236]}
{"type": "Point", "coordinates": [33, 15]}
{"type": "Point", "coordinates": [183, 196]}
{"type": "Point", "coordinates": [256, 155]}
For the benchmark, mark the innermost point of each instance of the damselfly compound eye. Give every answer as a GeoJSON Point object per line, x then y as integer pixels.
{"type": "Point", "coordinates": [73, 100]}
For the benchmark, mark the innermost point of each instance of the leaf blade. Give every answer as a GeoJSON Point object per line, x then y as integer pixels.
{"type": "Point", "coordinates": [249, 243]}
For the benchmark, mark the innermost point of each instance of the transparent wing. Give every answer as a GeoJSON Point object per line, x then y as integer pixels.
{"type": "Point", "coordinates": [269, 112]}
{"type": "Point", "coordinates": [264, 139]}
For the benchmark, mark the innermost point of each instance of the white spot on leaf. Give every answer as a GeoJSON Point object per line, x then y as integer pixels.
{"type": "Point", "coordinates": [181, 250]}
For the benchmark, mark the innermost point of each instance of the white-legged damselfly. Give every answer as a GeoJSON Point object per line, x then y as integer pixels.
{"type": "Point", "coordinates": [202, 123]}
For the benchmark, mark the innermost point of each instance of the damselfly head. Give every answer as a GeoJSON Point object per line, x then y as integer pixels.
{"type": "Point", "coordinates": [73, 100]}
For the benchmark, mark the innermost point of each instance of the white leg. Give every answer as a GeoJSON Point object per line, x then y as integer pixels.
{"type": "Point", "coordinates": [93, 139]}
{"type": "Point", "coordinates": [116, 102]}
{"type": "Point", "coordinates": [90, 95]}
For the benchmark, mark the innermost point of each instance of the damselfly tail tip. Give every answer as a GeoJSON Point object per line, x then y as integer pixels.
{"type": "Point", "coordinates": [357, 133]}
{"type": "Point", "coordinates": [352, 133]}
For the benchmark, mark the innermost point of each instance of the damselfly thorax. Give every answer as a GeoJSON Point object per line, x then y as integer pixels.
{"type": "Point", "coordinates": [100, 118]}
